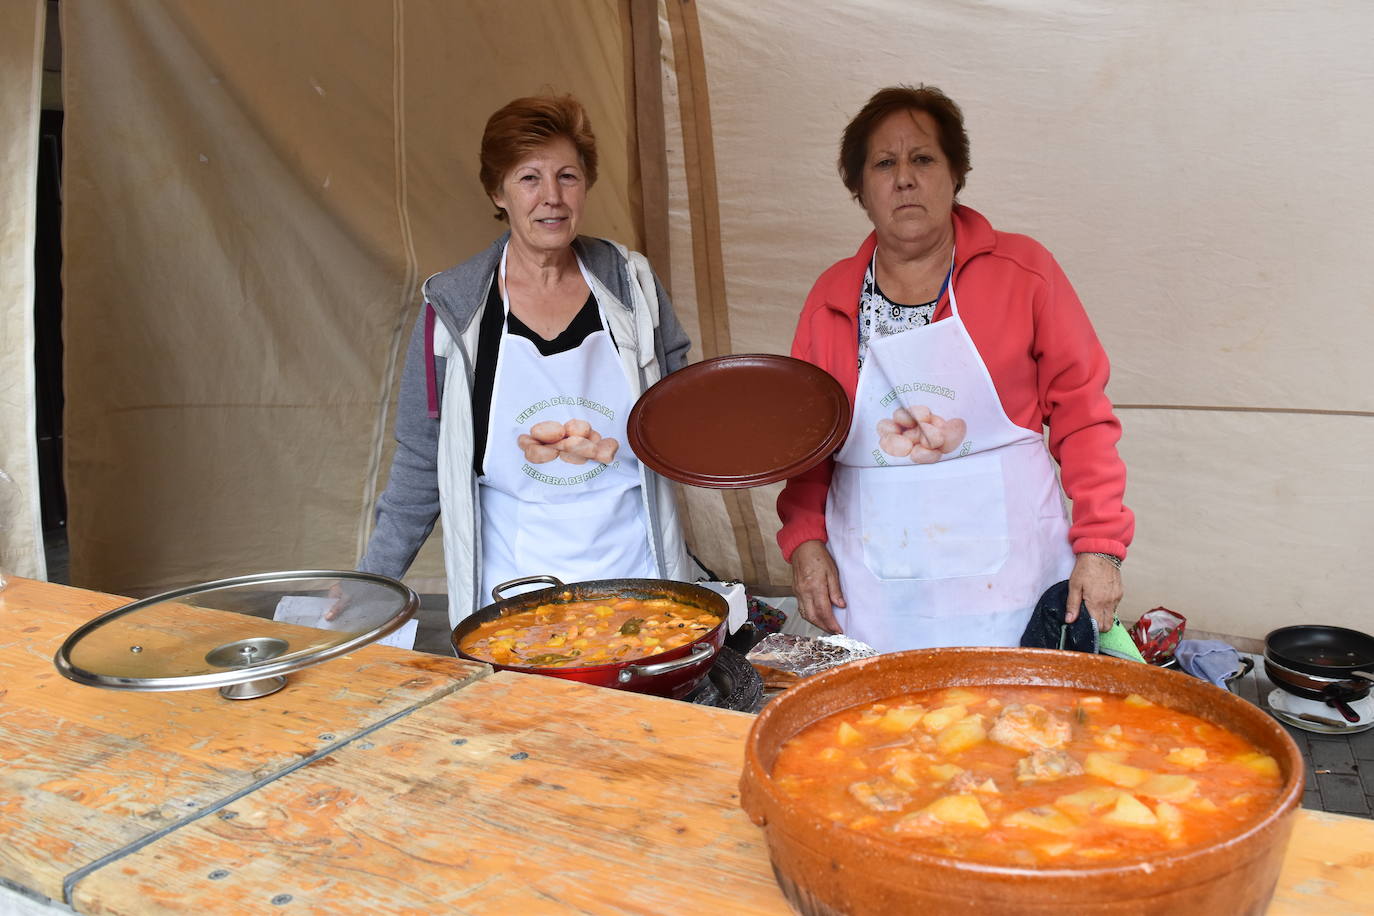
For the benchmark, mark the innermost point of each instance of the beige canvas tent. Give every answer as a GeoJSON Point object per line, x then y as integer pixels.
{"type": "Point", "coordinates": [254, 191]}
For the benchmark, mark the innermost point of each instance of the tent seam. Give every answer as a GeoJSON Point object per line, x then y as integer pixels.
{"type": "Point", "coordinates": [708, 256]}
{"type": "Point", "coordinates": [408, 283]}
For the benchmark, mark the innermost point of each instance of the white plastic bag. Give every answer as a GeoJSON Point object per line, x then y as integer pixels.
{"type": "Point", "coordinates": [738, 602]}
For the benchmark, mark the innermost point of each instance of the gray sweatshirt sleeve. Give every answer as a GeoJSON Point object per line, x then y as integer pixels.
{"type": "Point", "coordinates": [672, 343]}
{"type": "Point", "coordinates": [409, 506]}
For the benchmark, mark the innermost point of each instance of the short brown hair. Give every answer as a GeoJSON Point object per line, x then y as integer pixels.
{"type": "Point", "coordinates": [948, 117]}
{"type": "Point", "coordinates": [520, 127]}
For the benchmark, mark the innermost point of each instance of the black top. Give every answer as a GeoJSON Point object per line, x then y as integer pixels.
{"type": "Point", "coordinates": [584, 324]}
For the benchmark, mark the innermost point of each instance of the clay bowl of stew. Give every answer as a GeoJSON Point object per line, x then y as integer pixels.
{"type": "Point", "coordinates": [826, 867]}
{"type": "Point", "coordinates": [674, 672]}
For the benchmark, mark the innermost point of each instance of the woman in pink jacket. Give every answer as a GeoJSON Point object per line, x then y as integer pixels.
{"type": "Point", "coordinates": [941, 520]}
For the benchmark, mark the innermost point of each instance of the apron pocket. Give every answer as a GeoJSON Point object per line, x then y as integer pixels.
{"type": "Point", "coordinates": [939, 521]}
{"type": "Point", "coordinates": [598, 536]}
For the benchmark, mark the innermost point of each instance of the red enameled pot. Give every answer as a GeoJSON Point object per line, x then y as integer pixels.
{"type": "Point", "coordinates": [673, 673]}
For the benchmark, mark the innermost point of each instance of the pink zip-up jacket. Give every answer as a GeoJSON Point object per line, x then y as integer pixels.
{"type": "Point", "coordinates": [1042, 353]}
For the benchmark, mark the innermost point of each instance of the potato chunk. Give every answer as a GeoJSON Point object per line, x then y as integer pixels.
{"type": "Point", "coordinates": [1135, 699]}
{"type": "Point", "coordinates": [1170, 820]}
{"type": "Point", "coordinates": [1262, 764]}
{"type": "Point", "coordinates": [1169, 787]}
{"type": "Point", "coordinates": [945, 771]}
{"type": "Point", "coordinates": [1041, 818]}
{"type": "Point", "coordinates": [848, 735]}
{"type": "Point", "coordinates": [959, 810]}
{"type": "Point", "coordinates": [1087, 801]}
{"type": "Point", "coordinates": [961, 696]}
{"type": "Point", "coordinates": [1112, 739]}
{"type": "Point", "coordinates": [904, 773]}
{"type": "Point", "coordinates": [961, 736]}
{"type": "Point", "coordinates": [940, 719]}
{"type": "Point", "coordinates": [1114, 772]}
{"type": "Point", "coordinates": [901, 718]}
{"type": "Point", "coordinates": [1191, 757]}
{"type": "Point", "coordinates": [1130, 812]}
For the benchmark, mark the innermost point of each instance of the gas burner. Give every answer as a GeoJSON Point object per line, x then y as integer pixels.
{"type": "Point", "coordinates": [732, 683]}
{"type": "Point", "coordinates": [1316, 716]}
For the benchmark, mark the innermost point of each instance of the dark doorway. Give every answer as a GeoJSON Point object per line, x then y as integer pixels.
{"type": "Point", "coordinates": [47, 320]}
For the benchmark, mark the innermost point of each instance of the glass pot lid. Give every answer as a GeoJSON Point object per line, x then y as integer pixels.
{"type": "Point", "coordinates": [235, 631]}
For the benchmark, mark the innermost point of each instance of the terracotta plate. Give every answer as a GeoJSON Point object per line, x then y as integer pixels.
{"type": "Point", "coordinates": [739, 421]}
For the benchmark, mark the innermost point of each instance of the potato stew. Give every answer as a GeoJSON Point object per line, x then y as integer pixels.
{"type": "Point", "coordinates": [597, 632]}
{"type": "Point", "coordinates": [1028, 776]}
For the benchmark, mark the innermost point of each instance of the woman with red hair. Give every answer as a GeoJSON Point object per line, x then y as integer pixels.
{"type": "Point", "coordinates": [520, 375]}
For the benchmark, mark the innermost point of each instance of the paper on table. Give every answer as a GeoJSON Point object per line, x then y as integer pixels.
{"type": "Point", "coordinates": [404, 638]}
{"type": "Point", "coordinates": [306, 611]}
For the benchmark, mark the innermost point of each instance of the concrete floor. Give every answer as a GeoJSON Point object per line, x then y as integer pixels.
{"type": "Point", "coordinates": [1340, 768]}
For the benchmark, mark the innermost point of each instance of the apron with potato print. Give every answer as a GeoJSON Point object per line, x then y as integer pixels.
{"type": "Point", "coordinates": [945, 518]}
{"type": "Point", "coordinates": [560, 489]}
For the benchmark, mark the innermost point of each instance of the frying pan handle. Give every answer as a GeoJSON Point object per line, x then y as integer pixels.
{"type": "Point", "coordinates": [700, 652]}
{"type": "Point", "coordinates": [1335, 698]}
{"type": "Point", "coordinates": [524, 580]}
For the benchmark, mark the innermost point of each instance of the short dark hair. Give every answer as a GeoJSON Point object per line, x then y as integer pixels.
{"type": "Point", "coordinates": [522, 126]}
{"type": "Point", "coordinates": [948, 118]}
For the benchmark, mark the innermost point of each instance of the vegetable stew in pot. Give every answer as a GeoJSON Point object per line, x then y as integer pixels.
{"type": "Point", "coordinates": [591, 632]}
{"type": "Point", "coordinates": [645, 635]}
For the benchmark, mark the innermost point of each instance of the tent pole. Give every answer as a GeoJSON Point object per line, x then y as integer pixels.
{"type": "Point", "coordinates": [708, 257]}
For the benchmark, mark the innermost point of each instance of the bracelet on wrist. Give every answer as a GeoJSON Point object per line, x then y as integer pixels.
{"type": "Point", "coordinates": [1110, 558]}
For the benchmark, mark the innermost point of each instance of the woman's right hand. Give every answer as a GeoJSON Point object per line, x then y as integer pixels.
{"type": "Point", "coordinates": [816, 582]}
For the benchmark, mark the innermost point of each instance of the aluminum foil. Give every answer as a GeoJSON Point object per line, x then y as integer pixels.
{"type": "Point", "coordinates": [784, 658]}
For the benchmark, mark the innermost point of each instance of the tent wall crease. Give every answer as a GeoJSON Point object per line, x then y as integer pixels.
{"type": "Point", "coordinates": [21, 68]}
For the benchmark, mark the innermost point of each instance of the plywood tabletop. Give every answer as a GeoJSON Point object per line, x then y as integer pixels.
{"type": "Point", "coordinates": [1329, 868]}
{"type": "Point", "coordinates": [511, 794]}
{"type": "Point", "coordinates": [86, 773]}
{"type": "Point", "coordinates": [516, 794]}
{"type": "Point", "coordinates": [524, 794]}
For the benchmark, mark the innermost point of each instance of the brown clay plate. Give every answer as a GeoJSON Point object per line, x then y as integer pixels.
{"type": "Point", "coordinates": [739, 421]}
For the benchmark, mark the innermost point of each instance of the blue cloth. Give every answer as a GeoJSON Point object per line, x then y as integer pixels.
{"type": "Point", "coordinates": [1209, 659]}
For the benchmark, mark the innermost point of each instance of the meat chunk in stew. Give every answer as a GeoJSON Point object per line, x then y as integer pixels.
{"type": "Point", "coordinates": [1046, 765]}
{"type": "Point", "coordinates": [1027, 727]}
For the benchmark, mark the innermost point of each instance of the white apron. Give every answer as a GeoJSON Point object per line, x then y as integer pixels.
{"type": "Point", "coordinates": [954, 552]}
{"type": "Point", "coordinates": [548, 505]}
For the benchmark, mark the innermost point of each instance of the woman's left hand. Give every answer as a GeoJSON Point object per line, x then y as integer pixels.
{"type": "Point", "coordinates": [1096, 581]}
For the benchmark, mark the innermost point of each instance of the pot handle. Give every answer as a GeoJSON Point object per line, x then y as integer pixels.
{"type": "Point", "coordinates": [524, 580]}
{"type": "Point", "coordinates": [700, 652]}
{"type": "Point", "coordinates": [1247, 664]}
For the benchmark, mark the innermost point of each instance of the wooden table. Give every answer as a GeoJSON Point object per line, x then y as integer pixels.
{"type": "Point", "coordinates": [507, 794]}
{"type": "Point", "coordinates": [87, 775]}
